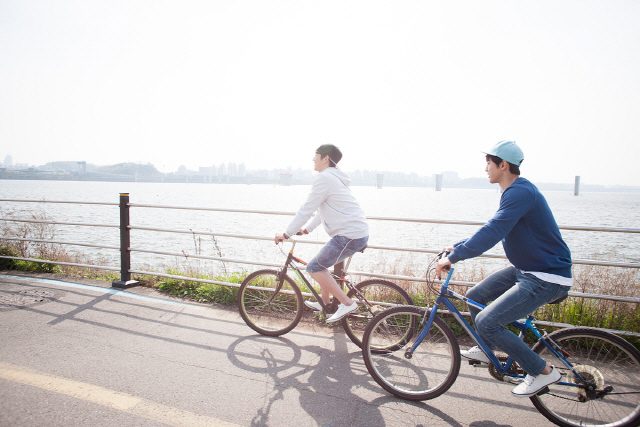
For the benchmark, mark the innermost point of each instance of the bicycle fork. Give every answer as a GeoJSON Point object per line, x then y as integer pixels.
{"type": "Point", "coordinates": [408, 354]}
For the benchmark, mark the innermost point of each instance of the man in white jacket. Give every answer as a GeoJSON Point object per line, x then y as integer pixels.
{"type": "Point", "coordinates": [343, 219]}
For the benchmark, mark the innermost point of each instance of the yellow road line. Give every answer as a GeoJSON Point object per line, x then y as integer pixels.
{"type": "Point", "coordinates": [112, 399]}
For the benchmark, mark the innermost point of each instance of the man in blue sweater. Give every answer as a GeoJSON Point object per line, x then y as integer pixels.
{"type": "Point", "coordinates": [541, 271]}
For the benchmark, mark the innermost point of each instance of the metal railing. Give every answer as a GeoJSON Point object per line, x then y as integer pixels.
{"type": "Point", "coordinates": [126, 249]}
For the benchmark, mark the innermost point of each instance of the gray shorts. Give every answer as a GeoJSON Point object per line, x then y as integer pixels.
{"type": "Point", "coordinates": [337, 249]}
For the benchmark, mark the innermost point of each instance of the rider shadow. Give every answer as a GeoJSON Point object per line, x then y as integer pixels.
{"type": "Point", "coordinates": [329, 382]}
{"type": "Point", "coordinates": [323, 377]}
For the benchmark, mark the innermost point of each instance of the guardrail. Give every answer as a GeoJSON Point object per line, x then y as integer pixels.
{"type": "Point", "coordinates": [126, 249]}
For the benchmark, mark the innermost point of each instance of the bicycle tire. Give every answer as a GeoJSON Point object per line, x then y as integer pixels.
{"type": "Point", "coordinates": [382, 294]}
{"type": "Point", "coordinates": [263, 315]}
{"type": "Point", "coordinates": [432, 368]}
{"type": "Point", "coordinates": [602, 358]}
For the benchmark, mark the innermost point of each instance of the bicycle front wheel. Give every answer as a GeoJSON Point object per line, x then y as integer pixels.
{"type": "Point", "coordinates": [266, 311]}
{"type": "Point", "coordinates": [603, 359]}
{"type": "Point", "coordinates": [425, 373]}
{"type": "Point", "coordinates": [374, 296]}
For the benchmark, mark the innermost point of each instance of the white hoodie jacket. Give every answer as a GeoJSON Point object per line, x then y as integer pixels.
{"type": "Point", "coordinates": [337, 209]}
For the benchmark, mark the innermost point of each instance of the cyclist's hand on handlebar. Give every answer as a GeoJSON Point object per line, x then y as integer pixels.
{"type": "Point", "coordinates": [281, 237]}
{"type": "Point", "coordinates": [443, 265]}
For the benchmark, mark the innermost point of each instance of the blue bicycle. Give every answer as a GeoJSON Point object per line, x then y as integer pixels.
{"type": "Point", "coordinates": [413, 354]}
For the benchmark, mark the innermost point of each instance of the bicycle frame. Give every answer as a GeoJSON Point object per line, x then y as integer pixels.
{"type": "Point", "coordinates": [443, 298]}
{"type": "Point", "coordinates": [290, 262]}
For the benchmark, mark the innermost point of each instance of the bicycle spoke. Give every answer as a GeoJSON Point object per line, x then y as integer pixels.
{"type": "Point", "coordinates": [425, 373]}
{"type": "Point", "coordinates": [265, 310]}
{"type": "Point", "coordinates": [603, 361]}
{"type": "Point", "coordinates": [373, 297]}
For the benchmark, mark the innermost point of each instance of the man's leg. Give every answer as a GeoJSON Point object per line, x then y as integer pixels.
{"type": "Point", "coordinates": [328, 285]}
{"type": "Point", "coordinates": [527, 295]}
{"type": "Point", "coordinates": [336, 250]}
{"type": "Point", "coordinates": [490, 289]}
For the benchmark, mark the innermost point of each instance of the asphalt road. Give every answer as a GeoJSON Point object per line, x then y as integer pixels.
{"type": "Point", "coordinates": [75, 352]}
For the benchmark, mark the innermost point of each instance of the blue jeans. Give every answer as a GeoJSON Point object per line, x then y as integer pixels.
{"type": "Point", "coordinates": [337, 249]}
{"type": "Point", "coordinates": [515, 295]}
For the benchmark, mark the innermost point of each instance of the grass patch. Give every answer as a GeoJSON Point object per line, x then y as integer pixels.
{"type": "Point", "coordinates": [199, 291]}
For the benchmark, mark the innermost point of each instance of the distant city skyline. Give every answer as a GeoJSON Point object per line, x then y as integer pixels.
{"type": "Point", "coordinates": [239, 173]}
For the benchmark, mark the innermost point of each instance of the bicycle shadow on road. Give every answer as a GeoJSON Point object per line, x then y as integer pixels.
{"type": "Point", "coordinates": [323, 377]}
{"type": "Point", "coordinates": [334, 386]}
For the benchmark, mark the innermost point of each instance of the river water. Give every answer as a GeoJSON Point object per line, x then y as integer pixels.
{"type": "Point", "coordinates": [592, 209]}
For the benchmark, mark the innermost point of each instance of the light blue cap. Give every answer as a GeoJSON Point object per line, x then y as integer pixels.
{"type": "Point", "coordinates": [507, 150]}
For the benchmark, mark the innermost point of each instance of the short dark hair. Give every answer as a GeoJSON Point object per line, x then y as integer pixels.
{"type": "Point", "coordinates": [332, 151]}
{"type": "Point", "coordinates": [514, 169]}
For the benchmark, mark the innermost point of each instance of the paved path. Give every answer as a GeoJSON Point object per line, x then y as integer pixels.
{"type": "Point", "coordinates": [75, 352]}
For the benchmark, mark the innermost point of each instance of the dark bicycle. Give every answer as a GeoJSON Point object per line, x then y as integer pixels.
{"type": "Point", "coordinates": [271, 303]}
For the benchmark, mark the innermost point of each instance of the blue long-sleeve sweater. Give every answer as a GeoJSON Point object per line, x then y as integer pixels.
{"type": "Point", "coordinates": [529, 233]}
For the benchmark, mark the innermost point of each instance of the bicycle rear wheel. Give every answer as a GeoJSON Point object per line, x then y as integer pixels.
{"type": "Point", "coordinates": [265, 312]}
{"type": "Point", "coordinates": [381, 294]}
{"type": "Point", "coordinates": [600, 358]}
{"type": "Point", "coordinates": [425, 374]}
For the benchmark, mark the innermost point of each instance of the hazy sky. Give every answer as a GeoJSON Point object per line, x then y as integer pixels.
{"type": "Point", "coordinates": [415, 86]}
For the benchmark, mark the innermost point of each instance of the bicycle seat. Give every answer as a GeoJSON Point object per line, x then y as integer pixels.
{"type": "Point", "coordinates": [559, 300]}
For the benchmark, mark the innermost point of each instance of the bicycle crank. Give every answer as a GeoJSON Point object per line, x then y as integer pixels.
{"type": "Point", "coordinates": [513, 370]}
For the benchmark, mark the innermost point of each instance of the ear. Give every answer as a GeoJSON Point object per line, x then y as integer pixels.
{"type": "Point", "coordinates": [504, 165]}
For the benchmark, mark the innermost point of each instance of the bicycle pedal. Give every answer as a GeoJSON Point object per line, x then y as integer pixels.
{"type": "Point", "coordinates": [478, 364]}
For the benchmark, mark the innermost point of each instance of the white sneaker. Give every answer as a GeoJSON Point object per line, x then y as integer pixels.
{"type": "Point", "coordinates": [475, 354]}
{"type": "Point", "coordinates": [313, 305]}
{"type": "Point", "coordinates": [532, 385]}
{"type": "Point", "coordinates": [342, 311]}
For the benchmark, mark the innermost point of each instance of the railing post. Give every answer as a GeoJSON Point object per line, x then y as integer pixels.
{"type": "Point", "coordinates": [125, 241]}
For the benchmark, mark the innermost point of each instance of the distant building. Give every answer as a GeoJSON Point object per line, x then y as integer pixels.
{"type": "Point", "coordinates": [207, 170]}
{"type": "Point", "coordinates": [8, 161]}
{"type": "Point", "coordinates": [286, 179]}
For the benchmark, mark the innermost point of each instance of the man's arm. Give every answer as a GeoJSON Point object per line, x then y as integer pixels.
{"type": "Point", "coordinates": [513, 205]}
{"type": "Point", "coordinates": [317, 195]}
